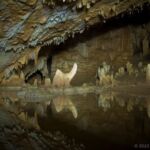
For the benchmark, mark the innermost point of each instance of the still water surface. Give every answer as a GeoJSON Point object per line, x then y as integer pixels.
{"type": "Point", "coordinates": [104, 121]}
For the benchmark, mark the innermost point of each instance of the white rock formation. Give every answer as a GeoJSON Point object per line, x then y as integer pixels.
{"type": "Point", "coordinates": [63, 79]}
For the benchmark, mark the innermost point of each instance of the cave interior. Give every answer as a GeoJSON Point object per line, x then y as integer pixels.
{"type": "Point", "coordinates": [91, 89]}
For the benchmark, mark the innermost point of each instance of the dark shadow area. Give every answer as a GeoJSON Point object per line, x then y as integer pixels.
{"type": "Point", "coordinates": [140, 16]}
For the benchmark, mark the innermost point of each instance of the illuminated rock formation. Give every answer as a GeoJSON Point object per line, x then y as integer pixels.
{"type": "Point", "coordinates": [63, 79]}
{"type": "Point", "coordinates": [27, 26]}
{"type": "Point", "coordinates": [148, 73]}
{"type": "Point", "coordinates": [47, 82]}
{"type": "Point", "coordinates": [104, 75]}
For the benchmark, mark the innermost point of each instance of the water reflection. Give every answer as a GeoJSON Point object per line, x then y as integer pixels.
{"type": "Point", "coordinates": [105, 101]}
{"type": "Point", "coordinates": [148, 107]}
{"type": "Point", "coordinates": [30, 111]}
{"type": "Point", "coordinates": [64, 102]}
{"type": "Point", "coordinates": [110, 117]}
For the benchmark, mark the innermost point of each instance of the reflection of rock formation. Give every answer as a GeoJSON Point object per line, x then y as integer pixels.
{"type": "Point", "coordinates": [120, 101]}
{"type": "Point", "coordinates": [63, 79]}
{"type": "Point", "coordinates": [104, 101]}
{"type": "Point", "coordinates": [108, 99]}
{"type": "Point", "coordinates": [34, 110]}
{"type": "Point", "coordinates": [32, 120]}
{"type": "Point", "coordinates": [15, 134]}
{"type": "Point", "coordinates": [28, 112]}
{"type": "Point", "coordinates": [148, 107]}
{"type": "Point", "coordinates": [11, 105]}
{"type": "Point", "coordinates": [63, 102]}
{"type": "Point", "coordinates": [130, 105]}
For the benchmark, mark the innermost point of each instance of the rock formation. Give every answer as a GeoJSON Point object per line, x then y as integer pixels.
{"type": "Point", "coordinates": [27, 26]}
{"type": "Point", "coordinates": [63, 79]}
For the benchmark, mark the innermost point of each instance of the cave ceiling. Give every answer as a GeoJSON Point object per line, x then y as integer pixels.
{"type": "Point", "coordinates": [28, 25]}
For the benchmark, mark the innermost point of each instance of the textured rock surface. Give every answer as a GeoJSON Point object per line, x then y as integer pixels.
{"type": "Point", "coordinates": [26, 25]}
{"type": "Point", "coordinates": [115, 46]}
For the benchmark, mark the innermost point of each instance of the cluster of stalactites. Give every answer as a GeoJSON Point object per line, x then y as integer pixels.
{"type": "Point", "coordinates": [78, 3]}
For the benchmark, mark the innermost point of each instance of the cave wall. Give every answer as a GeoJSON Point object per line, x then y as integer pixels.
{"type": "Point", "coordinates": [115, 46]}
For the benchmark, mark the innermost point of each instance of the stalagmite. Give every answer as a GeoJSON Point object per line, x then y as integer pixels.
{"type": "Point", "coordinates": [35, 82]}
{"type": "Point", "coordinates": [22, 76]}
{"type": "Point", "coordinates": [148, 73]}
{"type": "Point", "coordinates": [121, 71]}
{"type": "Point", "coordinates": [47, 82]}
{"type": "Point", "coordinates": [129, 67]}
{"type": "Point", "coordinates": [63, 79]}
{"type": "Point", "coordinates": [104, 75]}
